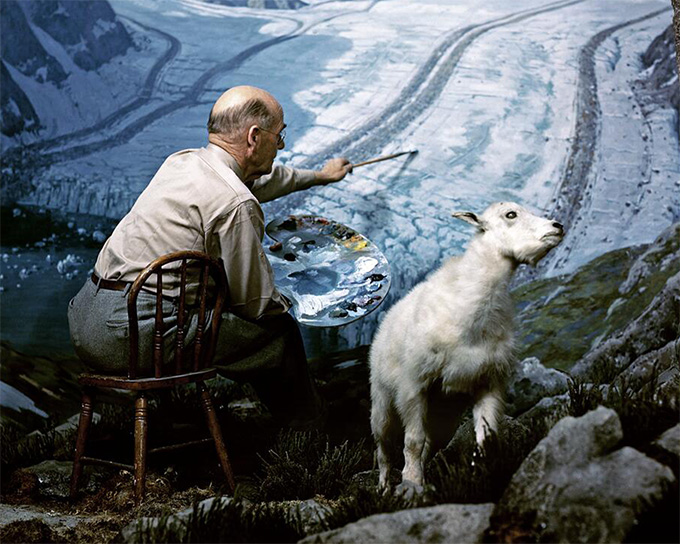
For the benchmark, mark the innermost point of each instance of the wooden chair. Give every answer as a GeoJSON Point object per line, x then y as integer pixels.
{"type": "Point", "coordinates": [203, 352]}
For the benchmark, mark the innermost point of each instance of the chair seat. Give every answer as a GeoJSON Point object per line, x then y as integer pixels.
{"type": "Point", "coordinates": [145, 384]}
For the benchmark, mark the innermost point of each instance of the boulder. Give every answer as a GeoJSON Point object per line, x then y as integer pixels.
{"type": "Point", "coordinates": [530, 382]}
{"type": "Point", "coordinates": [443, 523]}
{"type": "Point", "coordinates": [509, 429]}
{"type": "Point", "coordinates": [311, 513]}
{"type": "Point", "coordinates": [576, 486]}
{"type": "Point", "coordinates": [660, 363]}
{"type": "Point", "coordinates": [670, 441]}
{"type": "Point", "coordinates": [666, 448]}
{"type": "Point", "coordinates": [52, 479]}
{"type": "Point", "coordinates": [129, 533]}
{"type": "Point", "coordinates": [652, 330]}
{"type": "Point", "coordinates": [546, 412]}
{"type": "Point", "coordinates": [664, 252]}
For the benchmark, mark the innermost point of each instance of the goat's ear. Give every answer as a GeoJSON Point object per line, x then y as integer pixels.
{"type": "Point", "coordinates": [471, 218]}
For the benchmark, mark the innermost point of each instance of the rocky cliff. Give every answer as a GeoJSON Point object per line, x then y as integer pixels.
{"type": "Point", "coordinates": [660, 79]}
{"type": "Point", "coordinates": [43, 44]}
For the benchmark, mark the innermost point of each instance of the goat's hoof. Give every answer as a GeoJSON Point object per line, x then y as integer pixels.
{"type": "Point", "coordinates": [409, 490]}
{"type": "Point", "coordinates": [478, 452]}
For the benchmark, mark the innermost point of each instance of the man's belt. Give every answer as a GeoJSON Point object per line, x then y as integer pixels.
{"type": "Point", "coordinates": [112, 285]}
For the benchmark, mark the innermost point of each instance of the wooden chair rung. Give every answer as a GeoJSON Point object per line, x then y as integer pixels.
{"type": "Point", "coordinates": [107, 463]}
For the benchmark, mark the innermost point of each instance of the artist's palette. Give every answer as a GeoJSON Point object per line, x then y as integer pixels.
{"type": "Point", "coordinates": [331, 273]}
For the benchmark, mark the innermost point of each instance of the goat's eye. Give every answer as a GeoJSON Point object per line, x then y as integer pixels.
{"type": "Point", "coordinates": [511, 215]}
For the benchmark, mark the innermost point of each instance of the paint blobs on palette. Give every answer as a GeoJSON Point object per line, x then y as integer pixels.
{"type": "Point", "coordinates": [308, 246]}
{"type": "Point", "coordinates": [331, 273]}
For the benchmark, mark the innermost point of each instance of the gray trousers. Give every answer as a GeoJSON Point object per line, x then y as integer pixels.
{"type": "Point", "coordinates": [268, 353]}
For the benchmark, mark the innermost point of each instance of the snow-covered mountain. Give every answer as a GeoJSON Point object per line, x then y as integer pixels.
{"type": "Point", "coordinates": [51, 52]}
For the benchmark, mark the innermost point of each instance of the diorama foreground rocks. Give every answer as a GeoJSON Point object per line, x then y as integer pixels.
{"type": "Point", "coordinates": [443, 523]}
{"type": "Point", "coordinates": [530, 382]}
{"type": "Point", "coordinates": [576, 486]}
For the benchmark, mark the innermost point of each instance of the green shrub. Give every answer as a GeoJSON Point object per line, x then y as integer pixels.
{"type": "Point", "coordinates": [646, 412]}
{"type": "Point", "coordinates": [302, 465]}
{"type": "Point", "coordinates": [462, 473]}
{"type": "Point", "coordinates": [644, 409]}
{"type": "Point", "coordinates": [361, 502]}
{"type": "Point", "coordinates": [19, 450]}
{"type": "Point", "coordinates": [583, 397]}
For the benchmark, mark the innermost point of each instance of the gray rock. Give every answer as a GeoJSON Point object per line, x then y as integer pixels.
{"type": "Point", "coordinates": [247, 410]}
{"type": "Point", "coordinates": [580, 487]}
{"type": "Point", "coordinates": [71, 424]}
{"type": "Point", "coordinates": [129, 533]}
{"type": "Point", "coordinates": [530, 382]}
{"type": "Point", "coordinates": [652, 330]}
{"type": "Point", "coordinates": [444, 523]}
{"type": "Point", "coordinates": [312, 514]}
{"type": "Point", "coordinates": [669, 442]}
{"type": "Point", "coordinates": [37, 524]}
{"type": "Point", "coordinates": [52, 479]}
{"type": "Point", "coordinates": [662, 361]}
{"type": "Point", "coordinates": [11, 513]}
{"type": "Point", "coordinates": [649, 261]}
{"type": "Point", "coordinates": [548, 410]}
{"type": "Point", "coordinates": [508, 429]}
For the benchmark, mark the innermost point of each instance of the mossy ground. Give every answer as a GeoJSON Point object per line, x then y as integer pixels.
{"type": "Point", "coordinates": [559, 319]}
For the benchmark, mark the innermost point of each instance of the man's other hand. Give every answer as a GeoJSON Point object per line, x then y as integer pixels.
{"type": "Point", "coordinates": [334, 170]}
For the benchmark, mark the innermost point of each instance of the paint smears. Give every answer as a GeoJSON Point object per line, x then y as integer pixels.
{"type": "Point", "coordinates": [364, 265]}
{"type": "Point", "coordinates": [313, 305]}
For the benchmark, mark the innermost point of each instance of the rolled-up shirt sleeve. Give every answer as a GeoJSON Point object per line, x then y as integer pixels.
{"type": "Point", "coordinates": [237, 237]}
{"type": "Point", "coordinates": [281, 181]}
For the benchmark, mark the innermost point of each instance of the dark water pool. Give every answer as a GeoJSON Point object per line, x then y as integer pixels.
{"type": "Point", "coordinates": [36, 286]}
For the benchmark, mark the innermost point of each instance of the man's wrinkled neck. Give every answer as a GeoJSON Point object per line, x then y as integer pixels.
{"type": "Point", "coordinates": [238, 159]}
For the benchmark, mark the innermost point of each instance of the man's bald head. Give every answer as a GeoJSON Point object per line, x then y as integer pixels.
{"type": "Point", "coordinates": [240, 107]}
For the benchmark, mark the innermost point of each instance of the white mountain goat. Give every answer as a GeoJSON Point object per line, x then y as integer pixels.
{"type": "Point", "coordinates": [448, 343]}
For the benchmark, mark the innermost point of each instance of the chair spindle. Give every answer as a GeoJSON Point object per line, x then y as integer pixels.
{"type": "Point", "coordinates": [179, 347]}
{"type": "Point", "coordinates": [198, 350]}
{"type": "Point", "coordinates": [158, 329]}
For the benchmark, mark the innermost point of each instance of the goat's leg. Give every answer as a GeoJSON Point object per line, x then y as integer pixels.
{"type": "Point", "coordinates": [385, 428]}
{"type": "Point", "coordinates": [415, 438]}
{"type": "Point", "coordinates": [487, 413]}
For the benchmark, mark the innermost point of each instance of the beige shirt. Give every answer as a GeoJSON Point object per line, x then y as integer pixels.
{"type": "Point", "coordinates": [198, 201]}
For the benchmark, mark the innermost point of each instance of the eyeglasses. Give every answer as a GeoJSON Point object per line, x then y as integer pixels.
{"type": "Point", "coordinates": [281, 136]}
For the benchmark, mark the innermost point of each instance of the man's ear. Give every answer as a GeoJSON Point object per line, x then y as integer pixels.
{"type": "Point", "coordinates": [253, 136]}
{"type": "Point", "coordinates": [471, 218]}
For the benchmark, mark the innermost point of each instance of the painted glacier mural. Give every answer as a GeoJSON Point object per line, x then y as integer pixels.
{"type": "Point", "coordinates": [557, 105]}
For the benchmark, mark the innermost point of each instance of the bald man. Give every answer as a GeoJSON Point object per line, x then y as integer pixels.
{"type": "Point", "coordinates": [208, 200]}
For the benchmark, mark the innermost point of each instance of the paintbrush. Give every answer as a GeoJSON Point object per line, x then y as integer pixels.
{"type": "Point", "coordinates": [385, 158]}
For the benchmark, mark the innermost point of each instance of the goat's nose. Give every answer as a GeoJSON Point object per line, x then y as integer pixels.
{"type": "Point", "coordinates": [558, 226]}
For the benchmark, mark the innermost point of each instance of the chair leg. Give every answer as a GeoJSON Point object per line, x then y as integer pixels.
{"type": "Point", "coordinates": [141, 429]}
{"type": "Point", "coordinates": [81, 439]}
{"type": "Point", "coordinates": [216, 432]}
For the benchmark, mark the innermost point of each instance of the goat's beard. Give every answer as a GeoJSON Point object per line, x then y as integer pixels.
{"type": "Point", "coordinates": [533, 256]}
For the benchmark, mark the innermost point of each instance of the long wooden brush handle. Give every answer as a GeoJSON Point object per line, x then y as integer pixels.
{"type": "Point", "coordinates": [385, 158]}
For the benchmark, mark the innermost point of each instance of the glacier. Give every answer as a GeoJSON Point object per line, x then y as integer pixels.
{"type": "Point", "coordinates": [489, 94]}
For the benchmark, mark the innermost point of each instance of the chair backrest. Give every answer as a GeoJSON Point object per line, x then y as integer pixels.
{"type": "Point", "coordinates": [202, 354]}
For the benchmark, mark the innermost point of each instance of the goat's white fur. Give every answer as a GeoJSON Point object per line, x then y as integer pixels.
{"type": "Point", "coordinates": [449, 341]}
